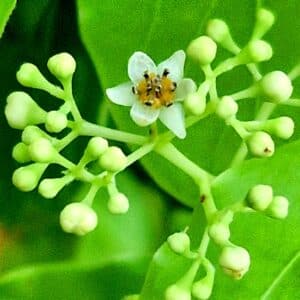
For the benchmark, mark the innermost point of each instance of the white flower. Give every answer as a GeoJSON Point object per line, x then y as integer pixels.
{"type": "Point", "coordinates": [155, 91]}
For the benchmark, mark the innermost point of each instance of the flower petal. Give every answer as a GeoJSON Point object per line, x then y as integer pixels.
{"type": "Point", "coordinates": [186, 86]}
{"type": "Point", "coordinates": [173, 118]}
{"type": "Point", "coordinates": [121, 94]}
{"type": "Point", "coordinates": [174, 64]}
{"type": "Point", "coordinates": [143, 115]}
{"type": "Point", "coordinates": [138, 64]}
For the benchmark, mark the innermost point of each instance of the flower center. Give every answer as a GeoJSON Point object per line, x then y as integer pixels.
{"type": "Point", "coordinates": [155, 90]}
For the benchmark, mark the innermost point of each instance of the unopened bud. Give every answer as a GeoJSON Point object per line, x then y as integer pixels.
{"type": "Point", "coordinates": [218, 30]}
{"type": "Point", "coordinates": [227, 108]}
{"type": "Point", "coordinates": [179, 242]}
{"type": "Point", "coordinates": [279, 207]}
{"type": "Point", "coordinates": [41, 150]}
{"type": "Point", "coordinates": [62, 65]}
{"type": "Point", "coordinates": [264, 21]}
{"type": "Point", "coordinates": [175, 292]}
{"type": "Point", "coordinates": [235, 261]}
{"type": "Point", "coordinates": [260, 196]}
{"type": "Point", "coordinates": [50, 187]}
{"type": "Point", "coordinates": [96, 147]}
{"type": "Point", "coordinates": [195, 104]}
{"type": "Point", "coordinates": [20, 153]}
{"type": "Point", "coordinates": [203, 50]}
{"type": "Point", "coordinates": [261, 144]}
{"type": "Point", "coordinates": [276, 87]}
{"type": "Point", "coordinates": [113, 159]}
{"type": "Point", "coordinates": [21, 110]}
{"type": "Point", "coordinates": [202, 289]}
{"type": "Point", "coordinates": [78, 218]}
{"type": "Point", "coordinates": [56, 121]}
{"type": "Point", "coordinates": [118, 204]}
{"type": "Point", "coordinates": [282, 127]}
{"type": "Point", "coordinates": [32, 133]}
{"type": "Point", "coordinates": [219, 232]}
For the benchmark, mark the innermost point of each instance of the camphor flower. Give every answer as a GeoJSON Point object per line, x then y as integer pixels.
{"type": "Point", "coordinates": [155, 92]}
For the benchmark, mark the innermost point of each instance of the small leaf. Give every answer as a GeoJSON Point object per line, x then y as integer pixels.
{"type": "Point", "coordinates": [6, 8]}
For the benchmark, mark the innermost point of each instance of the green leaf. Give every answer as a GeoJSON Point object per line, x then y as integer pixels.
{"type": "Point", "coordinates": [6, 8]}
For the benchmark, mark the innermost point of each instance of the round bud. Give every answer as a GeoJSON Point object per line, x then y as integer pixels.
{"type": "Point", "coordinates": [227, 108]}
{"type": "Point", "coordinates": [260, 196]}
{"type": "Point", "coordinates": [203, 50]}
{"type": "Point", "coordinates": [283, 127]}
{"type": "Point", "coordinates": [279, 207]}
{"type": "Point", "coordinates": [113, 159]}
{"type": "Point", "coordinates": [41, 150]}
{"type": "Point", "coordinates": [30, 76]}
{"type": "Point", "coordinates": [78, 218]}
{"type": "Point", "coordinates": [219, 232]}
{"type": "Point", "coordinates": [50, 187]}
{"type": "Point", "coordinates": [21, 110]}
{"type": "Point", "coordinates": [27, 178]}
{"type": "Point", "coordinates": [276, 87]}
{"type": "Point", "coordinates": [179, 242]}
{"type": "Point", "coordinates": [175, 292]}
{"type": "Point", "coordinates": [31, 133]}
{"type": "Point", "coordinates": [62, 65]}
{"type": "Point", "coordinates": [56, 121]}
{"type": "Point", "coordinates": [96, 147]}
{"type": "Point", "coordinates": [218, 30]}
{"type": "Point", "coordinates": [202, 289]}
{"type": "Point", "coordinates": [264, 21]}
{"type": "Point", "coordinates": [235, 261]}
{"type": "Point", "coordinates": [261, 144]}
{"type": "Point", "coordinates": [258, 51]}
{"type": "Point", "coordinates": [195, 104]}
{"type": "Point", "coordinates": [118, 204]}
{"type": "Point", "coordinates": [20, 153]}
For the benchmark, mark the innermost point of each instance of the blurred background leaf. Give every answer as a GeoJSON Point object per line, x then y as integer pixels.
{"type": "Point", "coordinates": [6, 8]}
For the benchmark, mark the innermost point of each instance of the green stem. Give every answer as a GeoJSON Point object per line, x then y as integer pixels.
{"type": "Point", "coordinates": [139, 153]}
{"type": "Point", "coordinates": [292, 102]}
{"type": "Point", "coordinates": [90, 196]}
{"type": "Point", "coordinates": [204, 244]}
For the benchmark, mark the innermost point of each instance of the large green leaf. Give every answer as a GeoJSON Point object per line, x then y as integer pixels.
{"type": "Point", "coordinates": [6, 8]}
{"type": "Point", "coordinates": [274, 245]}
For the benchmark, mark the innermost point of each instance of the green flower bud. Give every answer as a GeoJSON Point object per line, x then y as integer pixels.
{"type": "Point", "coordinates": [256, 51]}
{"type": "Point", "coordinates": [30, 76]}
{"type": "Point", "coordinates": [96, 147]}
{"type": "Point", "coordinates": [21, 110]}
{"type": "Point", "coordinates": [264, 21]}
{"type": "Point", "coordinates": [219, 232]}
{"type": "Point", "coordinates": [20, 153]}
{"type": "Point", "coordinates": [41, 150]}
{"type": "Point", "coordinates": [227, 108]}
{"type": "Point", "coordinates": [62, 65]}
{"type": "Point", "coordinates": [235, 261]}
{"type": "Point", "coordinates": [179, 242]}
{"type": "Point", "coordinates": [118, 204]}
{"type": "Point", "coordinates": [203, 50]}
{"type": "Point", "coordinates": [56, 121]}
{"type": "Point", "coordinates": [195, 104]}
{"type": "Point", "coordinates": [279, 207]}
{"type": "Point", "coordinates": [218, 30]}
{"type": "Point", "coordinates": [260, 196]}
{"type": "Point", "coordinates": [283, 127]}
{"type": "Point", "coordinates": [32, 133]}
{"type": "Point", "coordinates": [276, 87]}
{"type": "Point", "coordinates": [78, 218]}
{"type": "Point", "coordinates": [27, 178]}
{"type": "Point", "coordinates": [261, 144]}
{"type": "Point", "coordinates": [175, 292]}
{"type": "Point", "coordinates": [50, 187]}
{"type": "Point", "coordinates": [202, 289]}
{"type": "Point", "coordinates": [113, 159]}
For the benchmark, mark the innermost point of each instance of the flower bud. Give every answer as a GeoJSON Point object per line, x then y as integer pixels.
{"type": "Point", "coordinates": [256, 51]}
{"type": "Point", "coordinates": [175, 292]}
{"type": "Point", "coordinates": [235, 261]}
{"type": "Point", "coordinates": [78, 218]}
{"type": "Point", "coordinates": [195, 104]}
{"type": "Point", "coordinates": [32, 133]}
{"type": "Point", "coordinates": [96, 147]}
{"type": "Point", "coordinates": [276, 87]}
{"type": "Point", "coordinates": [118, 204]}
{"type": "Point", "coordinates": [179, 242]}
{"type": "Point", "coordinates": [62, 65]}
{"type": "Point", "coordinates": [202, 289]}
{"type": "Point", "coordinates": [50, 187]}
{"type": "Point", "coordinates": [56, 121]}
{"type": "Point", "coordinates": [279, 207]}
{"type": "Point", "coordinates": [30, 76]}
{"type": "Point", "coordinates": [20, 153]}
{"type": "Point", "coordinates": [283, 127]}
{"type": "Point", "coordinates": [227, 108]}
{"type": "Point", "coordinates": [27, 178]}
{"type": "Point", "coordinates": [113, 159]}
{"type": "Point", "coordinates": [219, 232]}
{"type": "Point", "coordinates": [218, 30]}
{"type": "Point", "coordinates": [264, 21]}
{"type": "Point", "coordinates": [261, 144]}
{"type": "Point", "coordinates": [260, 196]}
{"type": "Point", "coordinates": [203, 50]}
{"type": "Point", "coordinates": [41, 150]}
{"type": "Point", "coordinates": [21, 110]}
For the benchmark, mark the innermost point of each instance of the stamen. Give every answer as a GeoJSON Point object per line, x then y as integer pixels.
{"type": "Point", "coordinates": [134, 90]}
{"type": "Point", "coordinates": [165, 73]}
{"type": "Point", "coordinates": [146, 75]}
